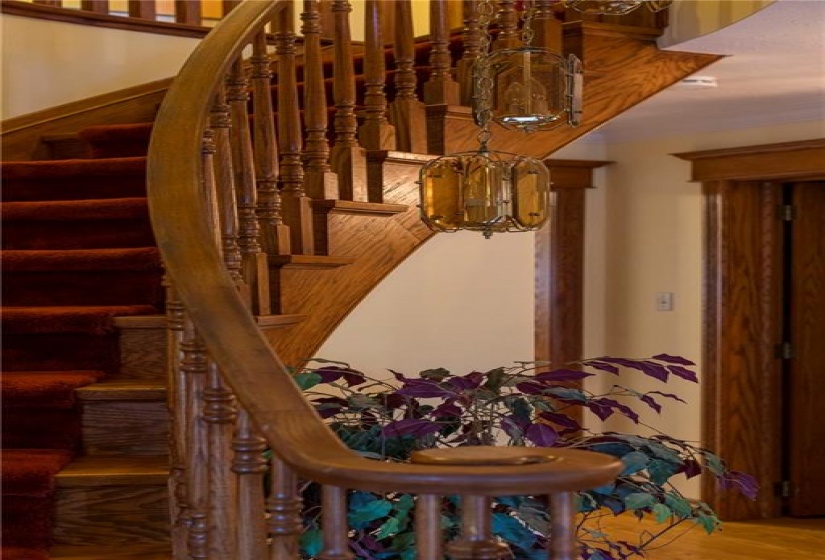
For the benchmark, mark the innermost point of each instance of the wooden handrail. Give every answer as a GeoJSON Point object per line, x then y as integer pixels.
{"type": "Point", "coordinates": [220, 341]}
{"type": "Point", "coordinates": [258, 377]}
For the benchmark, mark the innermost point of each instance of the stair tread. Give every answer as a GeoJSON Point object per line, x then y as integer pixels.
{"type": "Point", "coordinates": [114, 471]}
{"type": "Point", "coordinates": [355, 207]}
{"type": "Point", "coordinates": [309, 261]}
{"type": "Point", "coordinates": [124, 390]}
{"type": "Point", "coordinates": [159, 321]}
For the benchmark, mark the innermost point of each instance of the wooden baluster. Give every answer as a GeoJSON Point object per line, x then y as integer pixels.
{"type": "Point", "coordinates": [440, 88]}
{"type": "Point", "coordinates": [321, 183]}
{"type": "Point", "coordinates": [180, 509]}
{"type": "Point", "coordinates": [295, 205]}
{"type": "Point", "coordinates": [428, 532]}
{"type": "Point", "coordinates": [348, 159]}
{"type": "Point", "coordinates": [507, 18]}
{"type": "Point", "coordinates": [476, 541]}
{"type": "Point", "coordinates": [284, 509]}
{"type": "Point", "coordinates": [255, 266]}
{"type": "Point", "coordinates": [95, 6]}
{"type": "Point", "coordinates": [274, 234]}
{"type": "Point", "coordinates": [188, 12]}
{"type": "Point", "coordinates": [547, 29]}
{"type": "Point", "coordinates": [472, 35]}
{"type": "Point", "coordinates": [142, 9]}
{"type": "Point", "coordinates": [219, 414]}
{"type": "Point", "coordinates": [193, 368]}
{"type": "Point", "coordinates": [219, 185]}
{"type": "Point", "coordinates": [563, 542]}
{"type": "Point", "coordinates": [334, 524]}
{"type": "Point", "coordinates": [376, 133]}
{"type": "Point", "coordinates": [407, 113]}
{"type": "Point", "coordinates": [249, 464]}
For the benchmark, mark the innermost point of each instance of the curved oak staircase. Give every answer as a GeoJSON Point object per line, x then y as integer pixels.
{"type": "Point", "coordinates": [97, 345]}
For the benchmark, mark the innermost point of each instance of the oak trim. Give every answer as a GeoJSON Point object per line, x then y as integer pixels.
{"type": "Point", "coordinates": [559, 299]}
{"type": "Point", "coordinates": [39, 11]}
{"type": "Point", "coordinates": [741, 310]}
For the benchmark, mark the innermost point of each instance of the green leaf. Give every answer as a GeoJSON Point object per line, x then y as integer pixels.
{"type": "Point", "coordinates": [634, 462]}
{"type": "Point", "coordinates": [708, 522]}
{"type": "Point", "coordinates": [307, 380]}
{"type": "Point", "coordinates": [660, 471]}
{"type": "Point", "coordinates": [639, 500]}
{"type": "Point", "coordinates": [661, 513]}
{"type": "Point", "coordinates": [362, 516]}
{"type": "Point", "coordinates": [714, 464]}
{"type": "Point", "coordinates": [511, 530]}
{"type": "Point", "coordinates": [312, 541]}
{"type": "Point", "coordinates": [680, 506]}
{"type": "Point", "coordinates": [437, 374]}
{"type": "Point", "coordinates": [390, 527]}
{"type": "Point", "coordinates": [495, 379]}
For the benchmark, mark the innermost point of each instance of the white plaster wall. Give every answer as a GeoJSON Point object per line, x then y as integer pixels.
{"type": "Point", "coordinates": [461, 302]}
{"type": "Point", "coordinates": [653, 243]}
{"type": "Point", "coordinates": [48, 63]}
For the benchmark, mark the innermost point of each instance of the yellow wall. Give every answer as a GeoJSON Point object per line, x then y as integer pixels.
{"type": "Point", "coordinates": [694, 18]}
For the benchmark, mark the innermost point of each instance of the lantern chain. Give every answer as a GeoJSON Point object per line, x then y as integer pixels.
{"type": "Point", "coordinates": [483, 80]}
{"type": "Point", "coordinates": [527, 15]}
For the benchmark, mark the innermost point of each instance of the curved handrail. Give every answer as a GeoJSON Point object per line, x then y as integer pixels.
{"type": "Point", "coordinates": [259, 379]}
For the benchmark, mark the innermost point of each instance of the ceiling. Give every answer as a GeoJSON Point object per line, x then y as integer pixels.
{"type": "Point", "coordinates": [774, 74]}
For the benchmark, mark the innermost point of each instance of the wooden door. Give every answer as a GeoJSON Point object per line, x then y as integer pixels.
{"type": "Point", "coordinates": [805, 279]}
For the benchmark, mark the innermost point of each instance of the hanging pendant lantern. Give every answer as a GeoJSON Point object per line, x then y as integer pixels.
{"type": "Point", "coordinates": [486, 191]}
{"type": "Point", "coordinates": [534, 89]}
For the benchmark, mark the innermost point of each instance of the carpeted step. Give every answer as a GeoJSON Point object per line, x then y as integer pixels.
{"type": "Point", "coordinates": [83, 277]}
{"type": "Point", "coordinates": [116, 141]}
{"type": "Point", "coordinates": [76, 224]}
{"type": "Point", "coordinates": [64, 338]}
{"type": "Point", "coordinates": [40, 408]}
{"type": "Point", "coordinates": [28, 497]}
{"type": "Point", "coordinates": [73, 179]}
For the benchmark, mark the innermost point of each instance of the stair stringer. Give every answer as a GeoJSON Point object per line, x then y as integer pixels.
{"type": "Point", "coordinates": [618, 59]}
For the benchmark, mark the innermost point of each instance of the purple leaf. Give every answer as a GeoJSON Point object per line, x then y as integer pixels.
{"type": "Point", "coordinates": [649, 401]}
{"type": "Point", "coordinates": [668, 395]}
{"type": "Point", "coordinates": [541, 435]}
{"type": "Point", "coordinates": [602, 366]}
{"type": "Point", "coordinates": [530, 388]}
{"type": "Point", "coordinates": [746, 483]}
{"type": "Point", "coordinates": [651, 369]}
{"type": "Point", "coordinates": [600, 410]}
{"type": "Point", "coordinates": [684, 373]}
{"type": "Point", "coordinates": [448, 409]}
{"type": "Point", "coordinates": [511, 427]}
{"type": "Point", "coordinates": [410, 427]}
{"type": "Point", "coordinates": [560, 420]}
{"type": "Point", "coordinates": [465, 383]}
{"type": "Point", "coordinates": [673, 359]}
{"type": "Point", "coordinates": [624, 409]}
{"type": "Point", "coordinates": [562, 375]}
{"type": "Point", "coordinates": [692, 468]}
{"type": "Point", "coordinates": [420, 388]}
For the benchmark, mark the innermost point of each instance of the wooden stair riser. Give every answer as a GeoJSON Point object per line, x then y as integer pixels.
{"type": "Point", "coordinates": [112, 515]}
{"type": "Point", "coordinates": [125, 428]}
{"type": "Point", "coordinates": [143, 353]}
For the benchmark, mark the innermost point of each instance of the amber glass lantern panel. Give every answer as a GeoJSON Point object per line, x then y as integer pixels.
{"type": "Point", "coordinates": [529, 88]}
{"type": "Point", "coordinates": [486, 191]}
{"type": "Point", "coordinates": [441, 184]}
{"type": "Point", "coordinates": [531, 193]}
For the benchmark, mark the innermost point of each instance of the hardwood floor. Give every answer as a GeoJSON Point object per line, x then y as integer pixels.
{"type": "Point", "coordinates": [773, 539]}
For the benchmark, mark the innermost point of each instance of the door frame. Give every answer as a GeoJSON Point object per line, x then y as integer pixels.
{"type": "Point", "coordinates": [741, 412]}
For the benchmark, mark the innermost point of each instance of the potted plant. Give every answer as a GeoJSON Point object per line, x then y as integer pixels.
{"type": "Point", "coordinates": [526, 404]}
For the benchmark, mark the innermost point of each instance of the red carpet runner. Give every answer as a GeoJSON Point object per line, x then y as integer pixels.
{"type": "Point", "coordinates": [77, 252]}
